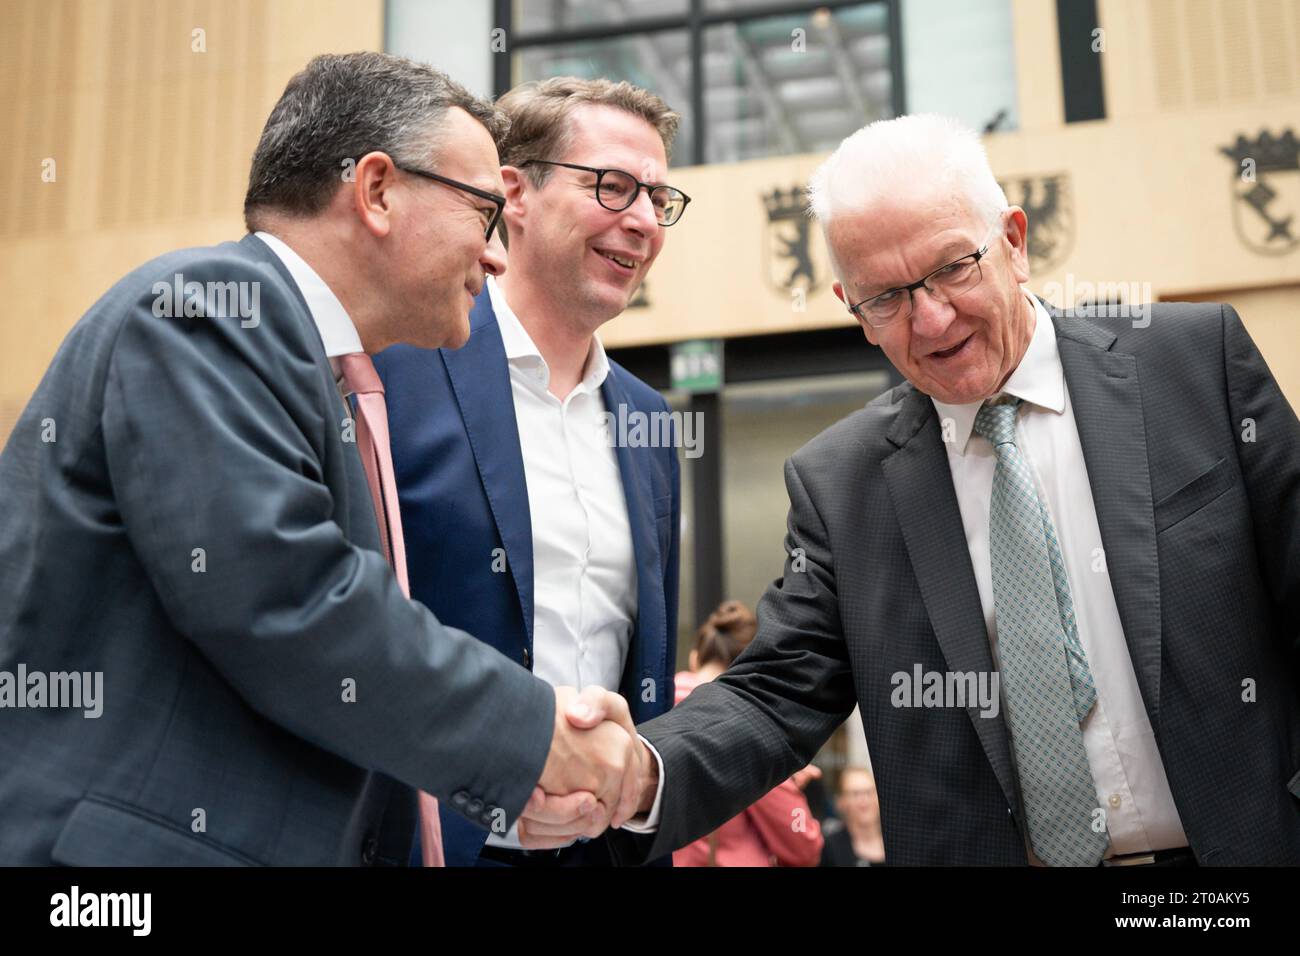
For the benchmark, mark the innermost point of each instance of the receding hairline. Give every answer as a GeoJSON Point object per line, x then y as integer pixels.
{"type": "Point", "coordinates": [907, 152]}
{"type": "Point", "coordinates": [343, 106]}
{"type": "Point", "coordinates": [954, 248]}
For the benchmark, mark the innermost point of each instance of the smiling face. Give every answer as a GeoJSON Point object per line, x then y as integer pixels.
{"type": "Point", "coordinates": [960, 351]}
{"type": "Point", "coordinates": [441, 256]}
{"type": "Point", "coordinates": [593, 259]}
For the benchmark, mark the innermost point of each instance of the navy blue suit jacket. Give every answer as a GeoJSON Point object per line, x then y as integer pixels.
{"type": "Point", "coordinates": [460, 479]}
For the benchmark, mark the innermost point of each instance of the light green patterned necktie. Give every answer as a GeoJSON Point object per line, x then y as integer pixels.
{"type": "Point", "coordinates": [1045, 677]}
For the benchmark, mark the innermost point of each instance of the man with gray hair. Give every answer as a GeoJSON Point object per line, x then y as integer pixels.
{"type": "Point", "coordinates": [1105, 511]}
{"type": "Point", "coordinates": [201, 508]}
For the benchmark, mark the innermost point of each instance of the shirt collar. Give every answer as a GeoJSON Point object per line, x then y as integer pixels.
{"type": "Point", "coordinates": [337, 333]}
{"type": "Point", "coordinates": [1039, 380]}
{"type": "Point", "coordinates": [521, 353]}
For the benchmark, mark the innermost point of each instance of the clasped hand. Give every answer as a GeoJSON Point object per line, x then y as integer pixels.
{"type": "Point", "coordinates": [598, 774]}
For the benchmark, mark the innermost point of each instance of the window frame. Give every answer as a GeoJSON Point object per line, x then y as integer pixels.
{"type": "Point", "coordinates": [695, 21]}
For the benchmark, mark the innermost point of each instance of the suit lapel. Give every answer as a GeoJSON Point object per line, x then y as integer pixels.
{"type": "Point", "coordinates": [262, 252]}
{"type": "Point", "coordinates": [356, 493]}
{"type": "Point", "coordinates": [920, 486]}
{"type": "Point", "coordinates": [651, 624]}
{"type": "Point", "coordinates": [480, 379]}
{"type": "Point", "coordinates": [1107, 404]}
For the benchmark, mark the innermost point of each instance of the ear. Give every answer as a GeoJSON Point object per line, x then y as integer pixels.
{"type": "Point", "coordinates": [373, 193]}
{"type": "Point", "coordinates": [838, 288]}
{"type": "Point", "coordinates": [1017, 236]}
{"type": "Point", "coordinates": [694, 661]}
{"type": "Point", "coordinates": [517, 193]}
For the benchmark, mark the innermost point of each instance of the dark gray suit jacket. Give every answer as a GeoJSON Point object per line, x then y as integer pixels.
{"type": "Point", "coordinates": [225, 736]}
{"type": "Point", "coordinates": [1202, 538]}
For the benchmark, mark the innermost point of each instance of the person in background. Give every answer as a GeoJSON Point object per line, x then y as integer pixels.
{"type": "Point", "coordinates": [855, 839]}
{"type": "Point", "coordinates": [780, 829]}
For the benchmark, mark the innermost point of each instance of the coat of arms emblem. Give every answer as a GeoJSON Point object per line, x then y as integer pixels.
{"type": "Point", "coordinates": [1266, 184]}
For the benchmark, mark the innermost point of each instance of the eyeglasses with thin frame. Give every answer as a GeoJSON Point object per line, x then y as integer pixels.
{"type": "Point", "coordinates": [944, 284]}
{"type": "Point", "coordinates": [617, 189]}
{"type": "Point", "coordinates": [496, 199]}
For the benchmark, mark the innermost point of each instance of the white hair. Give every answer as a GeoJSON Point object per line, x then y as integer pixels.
{"type": "Point", "coordinates": [885, 156]}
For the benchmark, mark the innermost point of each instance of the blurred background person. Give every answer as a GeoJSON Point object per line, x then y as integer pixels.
{"type": "Point", "coordinates": [778, 830]}
{"type": "Point", "coordinates": [855, 838]}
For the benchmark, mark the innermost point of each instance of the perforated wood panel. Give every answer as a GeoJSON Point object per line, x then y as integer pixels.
{"type": "Point", "coordinates": [129, 96]}
{"type": "Point", "coordinates": [145, 129]}
{"type": "Point", "coordinates": [1220, 52]}
{"type": "Point", "coordinates": [38, 74]}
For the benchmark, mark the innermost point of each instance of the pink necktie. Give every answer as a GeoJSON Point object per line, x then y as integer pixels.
{"type": "Point", "coordinates": [361, 379]}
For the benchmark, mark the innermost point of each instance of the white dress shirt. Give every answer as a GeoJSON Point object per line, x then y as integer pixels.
{"type": "Point", "coordinates": [584, 567]}
{"type": "Point", "coordinates": [1126, 767]}
{"type": "Point", "coordinates": [1122, 754]}
{"type": "Point", "coordinates": [337, 333]}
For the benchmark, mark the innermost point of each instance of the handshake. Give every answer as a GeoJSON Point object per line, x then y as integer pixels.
{"type": "Point", "coordinates": [598, 774]}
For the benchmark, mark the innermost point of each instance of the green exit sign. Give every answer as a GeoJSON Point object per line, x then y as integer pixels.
{"type": "Point", "coordinates": [697, 365]}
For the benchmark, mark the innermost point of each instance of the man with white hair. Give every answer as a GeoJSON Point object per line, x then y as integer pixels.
{"type": "Point", "coordinates": [1058, 568]}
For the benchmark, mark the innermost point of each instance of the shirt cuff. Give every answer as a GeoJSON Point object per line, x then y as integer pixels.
{"type": "Point", "coordinates": [650, 822]}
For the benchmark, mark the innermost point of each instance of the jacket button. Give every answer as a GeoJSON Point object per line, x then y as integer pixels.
{"type": "Point", "coordinates": [369, 849]}
{"type": "Point", "coordinates": [527, 659]}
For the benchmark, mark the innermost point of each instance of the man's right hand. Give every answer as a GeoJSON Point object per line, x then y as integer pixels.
{"type": "Point", "coordinates": [593, 774]}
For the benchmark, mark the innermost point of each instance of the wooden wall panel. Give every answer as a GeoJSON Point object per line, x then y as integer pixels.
{"type": "Point", "coordinates": [151, 141]}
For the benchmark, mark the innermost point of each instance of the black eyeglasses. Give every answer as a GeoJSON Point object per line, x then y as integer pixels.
{"type": "Point", "coordinates": [497, 200]}
{"type": "Point", "coordinates": [616, 190]}
{"type": "Point", "coordinates": [944, 284]}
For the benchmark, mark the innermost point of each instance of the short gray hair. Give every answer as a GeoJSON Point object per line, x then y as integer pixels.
{"type": "Point", "coordinates": [925, 148]}
{"type": "Point", "coordinates": [341, 107]}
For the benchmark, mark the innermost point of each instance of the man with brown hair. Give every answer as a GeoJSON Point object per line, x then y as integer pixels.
{"type": "Point", "coordinates": [526, 519]}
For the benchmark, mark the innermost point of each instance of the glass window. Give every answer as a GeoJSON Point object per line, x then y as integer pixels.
{"type": "Point", "coordinates": [960, 60]}
{"type": "Point", "coordinates": [742, 6]}
{"type": "Point", "coordinates": [795, 84]}
{"type": "Point", "coordinates": [659, 62]}
{"type": "Point", "coordinates": [546, 16]}
{"type": "Point", "coordinates": [771, 85]}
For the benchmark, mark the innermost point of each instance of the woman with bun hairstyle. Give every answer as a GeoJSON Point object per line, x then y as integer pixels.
{"type": "Point", "coordinates": [778, 830]}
